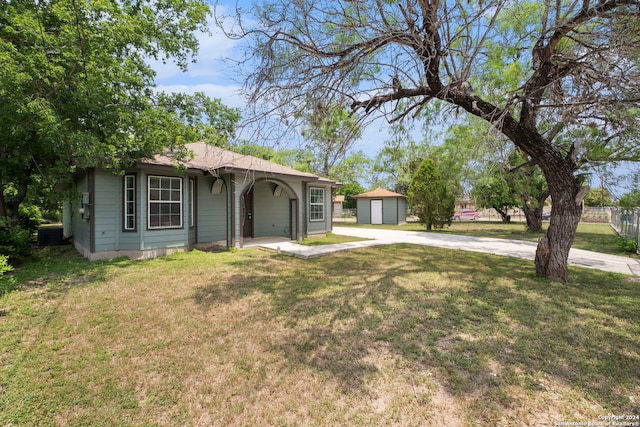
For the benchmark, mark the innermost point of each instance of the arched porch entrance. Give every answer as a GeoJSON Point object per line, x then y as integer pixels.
{"type": "Point", "coordinates": [269, 208]}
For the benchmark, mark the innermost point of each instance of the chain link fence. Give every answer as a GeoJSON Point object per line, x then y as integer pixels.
{"type": "Point", "coordinates": [626, 221]}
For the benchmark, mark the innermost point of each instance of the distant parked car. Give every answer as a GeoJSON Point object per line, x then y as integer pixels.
{"type": "Point", "coordinates": [546, 216]}
{"type": "Point", "coordinates": [467, 214]}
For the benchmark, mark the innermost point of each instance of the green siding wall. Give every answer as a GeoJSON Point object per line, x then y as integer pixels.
{"type": "Point", "coordinates": [108, 205]}
{"type": "Point", "coordinates": [402, 210]}
{"type": "Point", "coordinates": [390, 211]}
{"type": "Point", "coordinates": [80, 228]}
{"type": "Point", "coordinates": [163, 237]}
{"type": "Point", "coordinates": [107, 211]}
{"type": "Point", "coordinates": [363, 212]}
{"type": "Point", "coordinates": [212, 212]}
{"type": "Point", "coordinates": [324, 226]}
{"type": "Point", "coordinates": [107, 200]}
{"type": "Point", "coordinates": [273, 215]}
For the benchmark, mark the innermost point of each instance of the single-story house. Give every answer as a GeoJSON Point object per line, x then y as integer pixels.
{"type": "Point", "coordinates": [381, 206]}
{"type": "Point", "coordinates": [217, 198]}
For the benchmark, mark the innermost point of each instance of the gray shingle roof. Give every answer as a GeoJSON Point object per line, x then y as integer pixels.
{"type": "Point", "coordinates": [215, 160]}
{"type": "Point", "coordinates": [378, 192]}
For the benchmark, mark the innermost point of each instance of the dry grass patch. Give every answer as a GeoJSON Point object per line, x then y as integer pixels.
{"type": "Point", "coordinates": [396, 335]}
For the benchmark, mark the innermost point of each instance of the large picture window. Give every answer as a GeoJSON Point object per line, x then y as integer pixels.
{"type": "Point", "coordinates": [165, 202]}
{"type": "Point", "coordinates": [129, 214]}
{"type": "Point", "coordinates": [316, 204]}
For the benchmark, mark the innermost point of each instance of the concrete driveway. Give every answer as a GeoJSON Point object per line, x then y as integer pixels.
{"type": "Point", "coordinates": [514, 248]}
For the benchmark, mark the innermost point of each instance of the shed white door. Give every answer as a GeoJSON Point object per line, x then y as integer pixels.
{"type": "Point", "coordinates": [376, 212]}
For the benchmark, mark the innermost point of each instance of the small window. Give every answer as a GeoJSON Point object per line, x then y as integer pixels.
{"type": "Point", "coordinates": [316, 204]}
{"type": "Point", "coordinates": [192, 202]}
{"type": "Point", "coordinates": [129, 214]}
{"type": "Point", "coordinates": [165, 202]}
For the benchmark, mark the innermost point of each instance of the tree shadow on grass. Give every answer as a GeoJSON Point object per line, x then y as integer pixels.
{"type": "Point", "coordinates": [58, 267]}
{"type": "Point", "coordinates": [484, 324]}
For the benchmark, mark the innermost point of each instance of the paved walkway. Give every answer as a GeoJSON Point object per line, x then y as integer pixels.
{"type": "Point", "coordinates": [514, 248]}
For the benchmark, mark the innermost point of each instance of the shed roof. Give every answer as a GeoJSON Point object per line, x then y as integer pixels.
{"type": "Point", "coordinates": [209, 158]}
{"type": "Point", "coordinates": [377, 193]}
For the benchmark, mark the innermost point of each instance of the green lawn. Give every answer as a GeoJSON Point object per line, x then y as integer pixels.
{"type": "Point", "coordinates": [597, 237]}
{"type": "Point", "coordinates": [394, 335]}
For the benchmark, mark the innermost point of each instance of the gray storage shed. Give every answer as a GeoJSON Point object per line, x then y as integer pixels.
{"type": "Point", "coordinates": [381, 206]}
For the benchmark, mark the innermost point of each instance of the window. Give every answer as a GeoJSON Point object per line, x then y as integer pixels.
{"type": "Point", "coordinates": [316, 204]}
{"type": "Point", "coordinates": [129, 214]}
{"type": "Point", "coordinates": [192, 202]}
{"type": "Point", "coordinates": [165, 202]}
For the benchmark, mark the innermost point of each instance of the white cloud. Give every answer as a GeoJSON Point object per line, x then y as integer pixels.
{"type": "Point", "coordinates": [210, 74]}
{"type": "Point", "coordinates": [214, 49]}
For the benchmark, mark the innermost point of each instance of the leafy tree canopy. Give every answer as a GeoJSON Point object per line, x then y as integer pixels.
{"type": "Point", "coordinates": [598, 197]}
{"type": "Point", "coordinates": [330, 131]}
{"type": "Point", "coordinates": [429, 196]}
{"type": "Point", "coordinates": [349, 190]}
{"type": "Point", "coordinates": [510, 182]}
{"type": "Point", "coordinates": [76, 89]}
{"type": "Point", "coordinates": [399, 159]}
{"type": "Point", "coordinates": [493, 190]}
{"type": "Point", "coordinates": [630, 200]}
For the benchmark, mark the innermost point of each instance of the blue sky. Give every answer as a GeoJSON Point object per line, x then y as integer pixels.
{"type": "Point", "coordinates": [210, 74]}
{"type": "Point", "coordinates": [213, 74]}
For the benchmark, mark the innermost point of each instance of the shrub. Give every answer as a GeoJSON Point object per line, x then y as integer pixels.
{"type": "Point", "coordinates": [630, 200]}
{"type": "Point", "coordinates": [15, 240]}
{"type": "Point", "coordinates": [627, 245]}
{"type": "Point", "coordinates": [29, 217]}
{"type": "Point", "coordinates": [429, 196]}
{"type": "Point", "coordinates": [5, 267]}
{"type": "Point", "coordinates": [7, 284]}
{"type": "Point", "coordinates": [15, 243]}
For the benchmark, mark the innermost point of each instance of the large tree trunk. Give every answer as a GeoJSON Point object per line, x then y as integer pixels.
{"type": "Point", "coordinates": [533, 217]}
{"type": "Point", "coordinates": [567, 193]}
{"type": "Point", "coordinates": [505, 216]}
{"type": "Point", "coordinates": [534, 214]}
{"type": "Point", "coordinates": [3, 207]}
{"type": "Point", "coordinates": [552, 253]}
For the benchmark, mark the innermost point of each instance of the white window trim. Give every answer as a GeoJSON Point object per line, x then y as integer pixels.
{"type": "Point", "coordinates": [126, 213]}
{"type": "Point", "coordinates": [192, 202]}
{"type": "Point", "coordinates": [317, 204]}
{"type": "Point", "coordinates": [150, 202]}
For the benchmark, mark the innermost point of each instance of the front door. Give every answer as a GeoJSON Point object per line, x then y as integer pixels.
{"type": "Point", "coordinates": [376, 212]}
{"type": "Point", "coordinates": [247, 221]}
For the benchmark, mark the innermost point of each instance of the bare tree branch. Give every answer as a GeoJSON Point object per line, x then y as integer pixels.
{"type": "Point", "coordinates": [560, 80]}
